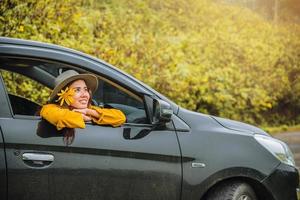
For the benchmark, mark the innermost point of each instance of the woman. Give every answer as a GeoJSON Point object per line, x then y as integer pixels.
{"type": "Point", "coordinates": [70, 103]}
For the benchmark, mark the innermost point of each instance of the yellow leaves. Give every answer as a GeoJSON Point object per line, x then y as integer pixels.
{"type": "Point", "coordinates": [268, 105]}
{"type": "Point", "coordinates": [22, 86]}
{"type": "Point", "coordinates": [213, 58]}
{"type": "Point", "coordinates": [77, 16]}
{"type": "Point", "coordinates": [21, 28]}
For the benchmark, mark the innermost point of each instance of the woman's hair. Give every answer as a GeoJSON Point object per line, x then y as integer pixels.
{"type": "Point", "coordinates": [69, 135]}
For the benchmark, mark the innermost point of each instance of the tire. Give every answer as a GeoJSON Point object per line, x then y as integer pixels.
{"type": "Point", "coordinates": [232, 191]}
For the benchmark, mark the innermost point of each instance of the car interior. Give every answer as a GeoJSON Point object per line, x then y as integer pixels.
{"type": "Point", "coordinates": [23, 106]}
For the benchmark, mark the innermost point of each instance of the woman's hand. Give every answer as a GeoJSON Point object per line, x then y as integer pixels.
{"type": "Point", "coordinates": [87, 113]}
{"type": "Point", "coordinates": [81, 110]}
{"type": "Point", "coordinates": [86, 118]}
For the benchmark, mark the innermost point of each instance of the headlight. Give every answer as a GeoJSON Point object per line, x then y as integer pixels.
{"type": "Point", "coordinates": [278, 148]}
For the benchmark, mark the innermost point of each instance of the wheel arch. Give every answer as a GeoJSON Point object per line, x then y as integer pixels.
{"type": "Point", "coordinates": [251, 176]}
{"type": "Point", "coordinates": [260, 190]}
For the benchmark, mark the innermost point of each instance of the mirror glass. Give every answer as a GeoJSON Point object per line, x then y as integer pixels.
{"type": "Point", "coordinates": [162, 111]}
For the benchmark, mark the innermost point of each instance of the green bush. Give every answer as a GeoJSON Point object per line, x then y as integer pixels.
{"type": "Point", "coordinates": [217, 59]}
{"type": "Point", "coordinates": [20, 85]}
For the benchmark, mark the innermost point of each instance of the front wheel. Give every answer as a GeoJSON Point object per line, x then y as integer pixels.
{"type": "Point", "coordinates": [232, 191]}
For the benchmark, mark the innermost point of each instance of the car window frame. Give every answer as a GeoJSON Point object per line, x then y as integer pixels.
{"type": "Point", "coordinates": [76, 58]}
{"type": "Point", "coordinates": [122, 87]}
{"type": "Point", "coordinates": [5, 109]}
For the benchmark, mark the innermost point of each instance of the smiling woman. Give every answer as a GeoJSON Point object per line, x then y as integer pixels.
{"type": "Point", "coordinates": [70, 103]}
{"type": "Point", "coordinates": [81, 94]}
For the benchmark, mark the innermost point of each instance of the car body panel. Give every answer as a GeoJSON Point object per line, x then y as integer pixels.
{"type": "Point", "coordinates": [282, 182]}
{"type": "Point", "coordinates": [100, 159]}
{"type": "Point", "coordinates": [3, 178]}
{"type": "Point", "coordinates": [239, 126]}
{"type": "Point", "coordinates": [221, 150]}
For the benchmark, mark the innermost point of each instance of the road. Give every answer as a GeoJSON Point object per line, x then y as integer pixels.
{"type": "Point", "coordinates": [293, 141]}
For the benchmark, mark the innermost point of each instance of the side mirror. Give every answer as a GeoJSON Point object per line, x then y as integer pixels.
{"type": "Point", "coordinates": [162, 112]}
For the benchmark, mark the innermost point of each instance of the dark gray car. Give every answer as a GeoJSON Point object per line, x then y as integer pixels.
{"type": "Point", "coordinates": [161, 152]}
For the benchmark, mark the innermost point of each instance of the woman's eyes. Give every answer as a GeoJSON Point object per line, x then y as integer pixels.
{"type": "Point", "coordinates": [81, 89]}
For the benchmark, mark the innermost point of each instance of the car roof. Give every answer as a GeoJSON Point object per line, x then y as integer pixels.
{"type": "Point", "coordinates": [15, 41]}
{"type": "Point", "coordinates": [36, 44]}
{"type": "Point", "coordinates": [23, 42]}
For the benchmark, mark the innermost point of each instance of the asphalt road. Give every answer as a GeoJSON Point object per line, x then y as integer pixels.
{"type": "Point", "coordinates": [293, 141]}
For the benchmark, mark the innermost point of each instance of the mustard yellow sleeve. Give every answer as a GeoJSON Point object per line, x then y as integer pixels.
{"type": "Point", "coordinates": [112, 117]}
{"type": "Point", "coordinates": [62, 117]}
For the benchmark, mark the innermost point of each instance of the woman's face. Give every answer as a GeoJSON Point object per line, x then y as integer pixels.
{"type": "Point", "coordinates": [81, 96]}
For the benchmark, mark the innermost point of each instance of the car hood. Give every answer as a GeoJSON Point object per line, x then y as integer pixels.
{"type": "Point", "coordinates": [239, 126]}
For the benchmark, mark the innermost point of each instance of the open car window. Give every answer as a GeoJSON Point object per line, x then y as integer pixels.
{"type": "Point", "coordinates": [25, 94]}
{"type": "Point", "coordinates": [28, 84]}
{"type": "Point", "coordinates": [110, 94]}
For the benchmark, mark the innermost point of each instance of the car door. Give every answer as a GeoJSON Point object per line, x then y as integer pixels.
{"type": "Point", "coordinates": [134, 161]}
{"type": "Point", "coordinates": [3, 113]}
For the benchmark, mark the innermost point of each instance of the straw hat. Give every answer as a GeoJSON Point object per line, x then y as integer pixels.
{"type": "Point", "coordinates": [69, 76]}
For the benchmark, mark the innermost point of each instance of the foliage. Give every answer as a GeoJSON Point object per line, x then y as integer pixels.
{"type": "Point", "coordinates": [22, 86]}
{"type": "Point", "coordinates": [217, 59]}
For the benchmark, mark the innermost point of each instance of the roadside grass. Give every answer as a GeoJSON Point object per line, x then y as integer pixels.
{"type": "Point", "coordinates": [282, 129]}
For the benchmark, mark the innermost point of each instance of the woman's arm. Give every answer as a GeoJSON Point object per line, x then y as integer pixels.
{"type": "Point", "coordinates": [62, 117]}
{"type": "Point", "coordinates": [104, 116]}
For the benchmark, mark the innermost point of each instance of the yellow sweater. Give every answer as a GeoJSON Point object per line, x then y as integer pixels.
{"type": "Point", "coordinates": [65, 118]}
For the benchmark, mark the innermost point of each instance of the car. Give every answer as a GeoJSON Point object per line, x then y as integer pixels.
{"type": "Point", "coordinates": [162, 152]}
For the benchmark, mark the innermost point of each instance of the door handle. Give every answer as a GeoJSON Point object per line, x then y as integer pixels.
{"type": "Point", "coordinates": [37, 159]}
